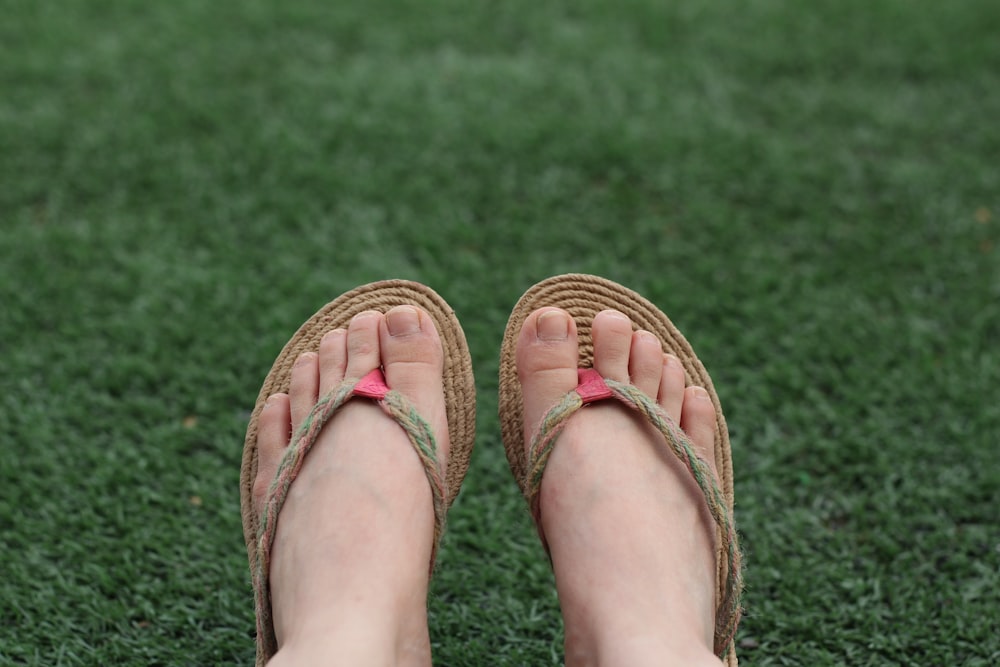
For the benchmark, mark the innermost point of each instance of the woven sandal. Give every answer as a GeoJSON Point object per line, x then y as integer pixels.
{"type": "Point", "coordinates": [583, 296]}
{"type": "Point", "coordinates": [459, 391]}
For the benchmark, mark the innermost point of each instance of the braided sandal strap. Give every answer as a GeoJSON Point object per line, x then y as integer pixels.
{"type": "Point", "coordinates": [418, 431]}
{"type": "Point", "coordinates": [592, 387]}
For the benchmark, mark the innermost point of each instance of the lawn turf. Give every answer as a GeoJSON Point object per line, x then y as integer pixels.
{"type": "Point", "coordinates": [811, 191]}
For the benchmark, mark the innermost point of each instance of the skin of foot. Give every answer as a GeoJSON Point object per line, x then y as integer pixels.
{"type": "Point", "coordinates": [631, 539]}
{"type": "Point", "coordinates": [352, 549]}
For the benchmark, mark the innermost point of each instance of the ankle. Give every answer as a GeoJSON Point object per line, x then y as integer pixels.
{"type": "Point", "coordinates": [636, 634]}
{"type": "Point", "coordinates": [637, 650]}
{"type": "Point", "coordinates": [366, 637]}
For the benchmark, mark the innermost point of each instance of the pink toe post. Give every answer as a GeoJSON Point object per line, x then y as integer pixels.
{"type": "Point", "coordinates": [372, 385]}
{"type": "Point", "coordinates": [591, 386]}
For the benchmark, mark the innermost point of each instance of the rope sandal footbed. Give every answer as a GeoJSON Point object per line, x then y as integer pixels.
{"type": "Point", "coordinates": [394, 404]}
{"type": "Point", "coordinates": [592, 388]}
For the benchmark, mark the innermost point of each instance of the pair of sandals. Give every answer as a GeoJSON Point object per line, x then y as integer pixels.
{"type": "Point", "coordinates": [582, 296]}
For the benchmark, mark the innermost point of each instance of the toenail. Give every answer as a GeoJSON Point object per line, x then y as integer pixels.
{"type": "Point", "coordinates": [671, 360]}
{"type": "Point", "coordinates": [333, 333]}
{"type": "Point", "coordinates": [366, 315]}
{"type": "Point", "coordinates": [304, 358]}
{"type": "Point", "coordinates": [700, 393]}
{"type": "Point", "coordinates": [402, 320]}
{"type": "Point", "coordinates": [552, 325]}
{"type": "Point", "coordinates": [618, 315]}
{"type": "Point", "coordinates": [647, 337]}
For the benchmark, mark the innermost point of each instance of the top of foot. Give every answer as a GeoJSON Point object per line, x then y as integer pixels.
{"type": "Point", "coordinates": [631, 540]}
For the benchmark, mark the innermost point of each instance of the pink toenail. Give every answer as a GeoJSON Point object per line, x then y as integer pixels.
{"type": "Point", "coordinates": [591, 386]}
{"type": "Point", "coordinates": [372, 385]}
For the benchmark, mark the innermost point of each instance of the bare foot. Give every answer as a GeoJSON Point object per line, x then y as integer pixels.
{"type": "Point", "coordinates": [349, 568]}
{"type": "Point", "coordinates": [631, 539]}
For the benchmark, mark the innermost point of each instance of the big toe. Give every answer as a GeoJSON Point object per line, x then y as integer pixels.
{"type": "Point", "coordinates": [412, 360]}
{"type": "Point", "coordinates": [547, 360]}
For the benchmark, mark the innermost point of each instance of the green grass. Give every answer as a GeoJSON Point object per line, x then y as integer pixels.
{"type": "Point", "coordinates": [812, 191]}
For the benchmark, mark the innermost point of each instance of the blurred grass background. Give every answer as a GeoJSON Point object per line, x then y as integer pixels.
{"type": "Point", "coordinates": [811, 191]}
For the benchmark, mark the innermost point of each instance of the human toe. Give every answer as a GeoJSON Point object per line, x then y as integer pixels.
{"type": "Point", "coordinates": [411, 352]}
{"type": "Point", "coordinates": [332, 360]}
{"type": "Point", "coordinates": [645, 363]}
{"type": "Point", "coordinates": [671, 391]}
{"type": "Point", "coordinates": [612, 334]}
{"type": "Point", "coordinates": [363, 355]}
{"type": "Point", "coordinates": [303, 387]}
{"type": "Point", "coordinates": [547, 359]}
{"type": "Point", "coordinates": [273, 432]}
{"type": "Point", "coordinates": [698, 420]}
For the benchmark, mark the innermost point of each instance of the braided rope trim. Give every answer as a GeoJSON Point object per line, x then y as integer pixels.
{"type": "Point", "coordinates": [421, 436]}
{"type": "Point", "coordinates": [730, 606]}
